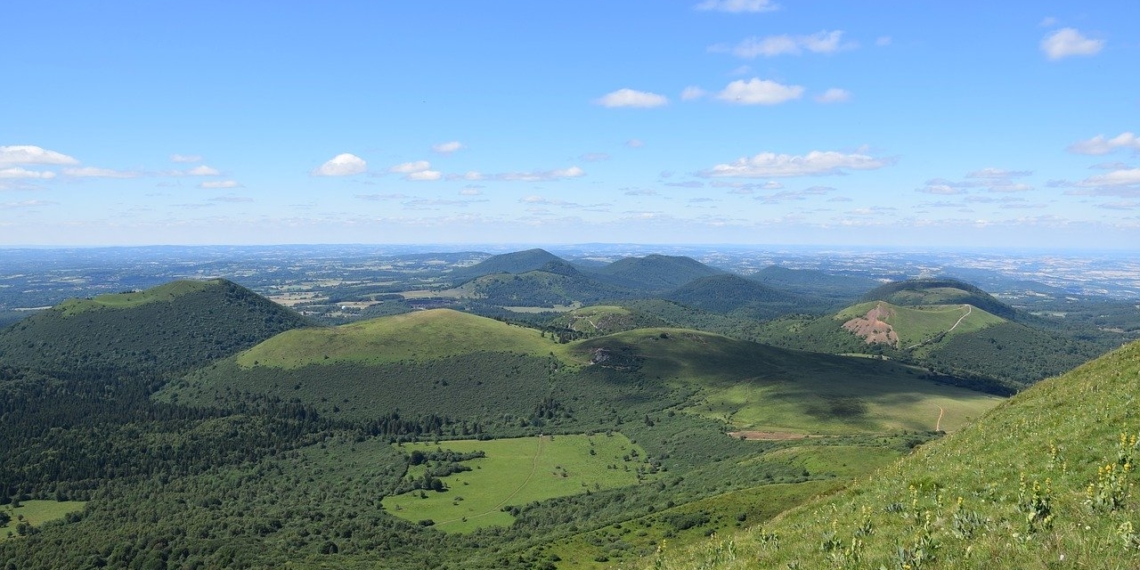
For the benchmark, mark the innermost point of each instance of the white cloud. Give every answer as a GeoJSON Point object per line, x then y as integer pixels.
{"type": "Point", "coordinates": [419, 171]}
{"type": "Point", "coordinates": [814, 163]}
{"type": "Point", "coordinates": [448, 147]}
{"type": "Point", "coordinates": [219, 184]}
{"type": "Point", "coordinates": [1101, 145]}
{"type": "Point", "coordinates": [185, 158]}
{"type": "Point", "coordinates": [411, 167]}
{"type": "Point", "coordinates": [1127, 177]}
{"type": "Point", "coordinates": [28, 154]}
{"type": "Point", "coordinates": [883, 41]}
{"type": "Point", "coordinates": [1048, 22]}
{"type": "Point", "coordinates": [833, 95]}
{"type": "Point", "coordinates": [595, 156]}
{"type": "Point", "coordinates": [634, 143]}
{"type": "Point", "coordinates": [17, 172]}
{"type": "Point", "coordinates": [342, 165]}
{"type": "Point", "coordinates": [572, 172]}
{"type": "Point", "coordinates": [379, 197]}
{"type": "Point", "coordinates": [26, 204]}
{"type": "Point", "coordinates": [692, 92]}
{"type": "Point", "coordinates": [631, 98]}
{"type": "Point", "coordinates": [470, 192]}
{"type": "Point", "coordinates": [424, 175]}
{"type": "Point", "coordinates": [232, 199]}
{"type": "Point", "coordinates": [771, 46]}
{"type": "Point", "coordinates": [737, 6]}
{"type": "Point", "coordinates": [1068, 42]}
{"type": "Point", "coordinates": [998, 174]}
{"type": "Point", "coordinates": [759, 92]}
{"type": "Point", "coordinates": [94, 172]}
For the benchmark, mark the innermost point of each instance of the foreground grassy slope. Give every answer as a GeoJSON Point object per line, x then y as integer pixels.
{"type": "Point", "coordinates": [1046, 480]}
{"type": "Point", "coordinates": [170, 327]}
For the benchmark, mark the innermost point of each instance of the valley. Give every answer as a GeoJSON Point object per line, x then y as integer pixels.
{"type": "Point", "coordinates": [427, 421]}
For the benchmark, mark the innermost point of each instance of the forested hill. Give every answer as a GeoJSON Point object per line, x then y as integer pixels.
{"type": "Point", "coordinates": [175, 326]}
{"type": "Point", "coordinates": [655, 272]}
{"type": "Point", "coordinates": [815, 283]}
{"type": "Point", "coordinates": [940, 291]}
{"type": "Point", "coordinates": [726, 293]}
{"type": "Point", "coordinates": [514, 263]}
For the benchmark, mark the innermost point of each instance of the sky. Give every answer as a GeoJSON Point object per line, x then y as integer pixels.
{"type": "Point", "coordinates": [888, 123]}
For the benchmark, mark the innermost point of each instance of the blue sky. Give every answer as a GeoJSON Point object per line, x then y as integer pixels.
{"type": "Point", "coordinates": [706, 121]}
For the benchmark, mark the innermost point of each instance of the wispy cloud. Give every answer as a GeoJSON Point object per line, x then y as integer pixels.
{"type": "Point", "coordinates": [631, 98]}
{"type": "Point", "coordinates": [738, 6]}
{"type": "Point", "coordinates": [17, 172]}
{"type": "Point", "coordinates": [692, 93]}
{"type": "Point", "coordinates": [219, 184]}
{"type": "Point", "coordinates": [1068, 42]}
{"type": "Point", "coordinates": [26, 204]}
{"type": "Point", "coordinates": [545, 175]}
{"type": "Point", "coordinates": [759, 92]}
{"type": "Point", "coordinates": [448, 147]}
{"type": "Point", "coordinates": [833, 95]}
{"type": "Point", "coordinates": [185, 158]}
{"type": "Point", "coordinates": [344, 164]}
{"type": "Point", "coordinates": [29, 154]}
{"type": "Point", "coordinates": [1100, 144]}
{"type": "Point", "coordinates": [814, 163]}
{"type": "Point", "coordinates": [772, 46]}
{"type": "Point", "coordinates": [419, 171]}
{"type": "Point", "coordinates": [94, 172]}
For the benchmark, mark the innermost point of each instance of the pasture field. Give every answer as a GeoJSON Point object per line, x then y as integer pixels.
{"type": "Point", "coordinates": [515, 472]}
{"type": "Point", "coordinates": [419, 335]}
{"type": "Point", "coordinates": [37, 513]}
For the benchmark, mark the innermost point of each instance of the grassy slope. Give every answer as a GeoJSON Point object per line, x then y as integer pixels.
{"type": "Point", "coordinates": [516, 472]}
{"type": "Point", "coordinates": [166, 292]}
{"type": "Point", "coordinates": [1043, 481]}
{"type": "Point", "coordinates": [915, 325]}
{"type": "Point", "coordinates": [421, 335]}
{"type": "Point", "coordinates": [604, 319]}
{"type": "Point", "coordinates": [755, 386]}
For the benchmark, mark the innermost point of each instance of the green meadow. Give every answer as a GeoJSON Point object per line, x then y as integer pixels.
{"type": "Point", "coordinates": [419, 335]}
{"type": "Point", "coordinates": [515, 472]}
{"type": "Point", "coordinates": [36, 513]}
{"type": "Point", "coordinates": [915, 325]}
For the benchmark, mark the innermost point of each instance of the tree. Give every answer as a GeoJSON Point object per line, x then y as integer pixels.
{"type": "Point", "coordinates": [5, 518]}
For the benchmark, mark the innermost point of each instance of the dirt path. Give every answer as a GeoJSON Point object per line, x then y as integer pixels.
{"type": "Point", "coordinates": [969, 309]}
{"type": "Point", "coordinates": [938, 424]}
{"type": "Point", "coordinates": [496, 508]}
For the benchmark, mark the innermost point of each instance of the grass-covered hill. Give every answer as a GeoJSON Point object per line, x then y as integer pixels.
{"type": "Point", "coordinates": [958, 339]}
{"type": "Point", "coordinates": [464, 366]}
{"type": "Point", "coordinates": [657, 273]}
{"type": "Point", "coordinates": [842, 289]}
{"type": "Point", "coordinates": [727, 293]}
{"type": "Point", "coordinates": [1045, 480]}
{"type": "Point", "coordinates": [174, 326]}
{"type": "Point", "coordinates": [939, 291]}
{"type": "Point", "coordinates": [515, 262]}
{"type": "Point", "coordinates": [604, 319]}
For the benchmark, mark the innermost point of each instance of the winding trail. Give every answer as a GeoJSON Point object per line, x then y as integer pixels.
{"type": "Point", "coordinates": [496, 508]}
{"type": "Point", "coordinates": [938, 424]}
{"type": "Point", "coordinates": [969, 309]}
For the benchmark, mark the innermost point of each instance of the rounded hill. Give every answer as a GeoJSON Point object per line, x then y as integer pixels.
{"type": "Point", "coordinates": [939, 291]}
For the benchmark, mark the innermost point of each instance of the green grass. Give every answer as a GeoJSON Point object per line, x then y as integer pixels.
{"type": "Point", "coordinates": [1046, 480]}
{"type": "Point", "coordinates": [37, 513]}
{"type": "Point", "coordinates": [515, 472]}
{"type": "Point", "coordinates": [753, 386]}
{"type": "Point", "coordinates": [420, 336]}
{"type": "Point", "coordinates": [167, 292]}
{"type": "Point", "coordinates": [915, 325]}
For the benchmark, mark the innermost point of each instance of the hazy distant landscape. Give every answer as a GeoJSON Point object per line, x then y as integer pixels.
{"type": "Point", "coordinates": [680, 284]}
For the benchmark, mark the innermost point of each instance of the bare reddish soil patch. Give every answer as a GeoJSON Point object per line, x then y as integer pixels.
{"type": "Point", "coordinates": [872, 328]}
{"type": "Point", "coordinates": [766, 435]}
